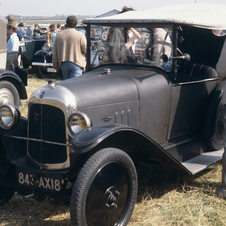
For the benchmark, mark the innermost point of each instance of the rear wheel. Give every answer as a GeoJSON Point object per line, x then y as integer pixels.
{"type": "Point", "coordinates": [105, 190]}
{"type": "Point", "coordinates": [9, 94]}
{"type": "Point", "coordinates": [214, 120]}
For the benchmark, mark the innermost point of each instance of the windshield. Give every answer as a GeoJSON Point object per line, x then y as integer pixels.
{"type": "Point", "coordinates": [143, 46]}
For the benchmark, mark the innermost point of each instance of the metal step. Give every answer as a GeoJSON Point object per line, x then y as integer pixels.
{"type": "Point", "coordinates": [200, 162]}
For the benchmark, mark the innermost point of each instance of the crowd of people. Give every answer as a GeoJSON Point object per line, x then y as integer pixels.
{"type": "Point", "coordinates": [69, 47]}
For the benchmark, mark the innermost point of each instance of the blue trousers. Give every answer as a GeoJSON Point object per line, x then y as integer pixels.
{"type": "Point", "coordinates": [70, 70]}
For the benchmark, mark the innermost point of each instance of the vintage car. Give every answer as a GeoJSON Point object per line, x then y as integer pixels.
{"type": "Point", "coordinates": [30, 46]}
{"type": "Point", "coordinates": [13, 78]}
{"type": "Point", "coordinates": [160, 103]}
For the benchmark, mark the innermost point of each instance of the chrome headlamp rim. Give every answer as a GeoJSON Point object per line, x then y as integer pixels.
{"type": "Point", "coordinates": [86, 123]}
{"type": "Point", "coordinates": [15, 116]}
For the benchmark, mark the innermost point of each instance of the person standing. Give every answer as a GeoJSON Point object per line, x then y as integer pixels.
{"type": "Point", "coordinates": [51, 35]}
{"type": "Point", "coordinates": [69, 50]}
{"type": "Point", "coordinates": [37, 30]}
{"type": "Point", "coordinates": [58, 28]}
{"type": "Point", "coordinates": [13, 42]}
{"type": "Point", "coordinates": [21, 32]}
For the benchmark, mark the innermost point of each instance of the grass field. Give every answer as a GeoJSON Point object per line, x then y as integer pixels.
{"type": "Point", "coordinates": [163, 199]}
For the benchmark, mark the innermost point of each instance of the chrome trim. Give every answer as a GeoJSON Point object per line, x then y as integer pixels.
{"type": "Point", "coordinates": [42, 64]}
{"type": "Point", "coordinates": [195, 82]}
{"type": "Point", "coordinates": [59, 97]}
{"type": "Point", "coordinates": [38, 140]}
{"type": "Point", "coordinates": [16, 116]}
{"type": "Point", "coordinates": [86, 118]}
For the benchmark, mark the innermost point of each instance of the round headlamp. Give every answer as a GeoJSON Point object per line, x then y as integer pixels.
{"type": "Point", "coordinates": [9, 116]}
{"type": "Point", "coordinates": [77, 122]}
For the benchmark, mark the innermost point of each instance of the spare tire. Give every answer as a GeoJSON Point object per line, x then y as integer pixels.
{"type": "Point", "coordinates": [214, 120]}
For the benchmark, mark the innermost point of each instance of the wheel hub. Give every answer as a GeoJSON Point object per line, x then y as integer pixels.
{"type": "Point", "coordinates": [111, 198]}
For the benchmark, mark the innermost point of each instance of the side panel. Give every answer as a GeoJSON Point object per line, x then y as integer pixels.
{"type": "Point", "coordinates": [125, 113]}
{"type": "Point", "coordinates": [154, 95]}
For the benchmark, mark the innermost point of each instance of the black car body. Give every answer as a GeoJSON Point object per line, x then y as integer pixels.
{"type": "Point", "coordinates": [84, 136]}
{"type": "Point", "coordinates": [30, 45]}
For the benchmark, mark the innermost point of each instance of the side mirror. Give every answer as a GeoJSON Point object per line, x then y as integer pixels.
{"type": "Point", "coordinates": [186, 57]}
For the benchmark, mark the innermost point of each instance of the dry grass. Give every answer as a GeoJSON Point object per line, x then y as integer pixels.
{"type": "Point", "coordinates": [163, 199]}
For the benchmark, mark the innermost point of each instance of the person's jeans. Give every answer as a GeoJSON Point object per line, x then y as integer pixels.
{"type": "Point", "coordinates": [70, 70]}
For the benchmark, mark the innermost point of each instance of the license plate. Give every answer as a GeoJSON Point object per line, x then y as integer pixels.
{"type": "Point", "coordinates": [53, 184]}
{"type": "Point", "coordinates": [49, 69]}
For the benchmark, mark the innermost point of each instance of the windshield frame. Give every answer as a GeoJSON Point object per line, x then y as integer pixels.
{"type": "Point", "coordinates": [173, 27]}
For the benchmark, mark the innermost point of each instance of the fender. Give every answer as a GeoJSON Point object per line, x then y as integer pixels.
{"type": "Point", "coordinates": [43, 54]}
{"type": "Point", "coordinates": [15, 80]}
{"type": "Point", "coordinates": [15, 148]}
{"type": "Point", "coordinates": [92, 137]}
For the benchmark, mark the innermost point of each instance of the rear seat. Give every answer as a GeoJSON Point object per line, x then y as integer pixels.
{"type": "Point", "coordinates": [197, 72]}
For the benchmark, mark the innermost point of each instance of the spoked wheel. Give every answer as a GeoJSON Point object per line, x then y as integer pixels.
{"type": "Point", "coordinates": [105, 190]}
{"type": "Point", "coordinates": [9, 94]}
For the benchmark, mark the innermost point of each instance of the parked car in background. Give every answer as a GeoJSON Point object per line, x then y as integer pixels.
{"type": "Point", "coordinates": [43, 58]}
{"type": "Point", "coordinates": [13, 78]}
{"type": "Point", "coordinates": [160, 102]}
{"type": "Point", "coordinates": [31, 45]}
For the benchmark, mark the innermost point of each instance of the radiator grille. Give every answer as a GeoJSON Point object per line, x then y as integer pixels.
{"type": "Point", "coordinates": [47, 123]}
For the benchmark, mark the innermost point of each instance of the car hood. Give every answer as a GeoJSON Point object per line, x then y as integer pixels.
{"type": "Point", "coordinates": [99, 88]}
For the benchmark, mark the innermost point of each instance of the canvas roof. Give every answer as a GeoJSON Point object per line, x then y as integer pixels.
{"type": "Point", "coordinates": [210, 16]}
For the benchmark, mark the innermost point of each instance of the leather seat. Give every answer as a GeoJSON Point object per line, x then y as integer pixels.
{"type": "Point", "coordinates": [197, 72]}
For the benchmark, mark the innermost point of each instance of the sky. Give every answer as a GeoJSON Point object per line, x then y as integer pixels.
{"type": "Point", "coordinates": [83, 7]}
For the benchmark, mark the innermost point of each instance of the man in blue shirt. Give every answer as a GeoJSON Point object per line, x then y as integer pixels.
{"type": "Point", "coordinates": [13, 42]}
{"type": "Point", "coordinates": [21, 32]}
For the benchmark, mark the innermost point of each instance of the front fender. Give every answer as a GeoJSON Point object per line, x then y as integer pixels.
{"type": "Point", "coordinates": [12, 77]}
{"type": "Point", "coordinates": [94, 136]}
{"type": "Point", "coordinates": [41, 53]}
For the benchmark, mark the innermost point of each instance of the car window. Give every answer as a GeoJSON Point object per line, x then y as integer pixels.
{"type": "Point", "coordinates": [133, 46]}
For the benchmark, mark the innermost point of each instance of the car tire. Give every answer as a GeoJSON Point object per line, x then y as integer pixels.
{"type": "Point", "coordinates": [105, 190]}
{"type": "Point", "coordinates": [214, 120]}
{"type": "Point", "coordinates": [9, 94]}
{"type": "Point", "coordinates": [41, 72]}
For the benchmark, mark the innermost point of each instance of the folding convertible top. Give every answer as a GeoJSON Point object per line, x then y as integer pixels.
{"type": "Point", "coordinates": [208, 16]}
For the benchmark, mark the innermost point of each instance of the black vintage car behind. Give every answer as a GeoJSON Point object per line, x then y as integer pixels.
{"type": "Point", "coordinates": [161, 102]}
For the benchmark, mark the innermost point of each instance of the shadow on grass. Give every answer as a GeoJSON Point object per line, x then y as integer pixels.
{"type": "Point", "coordinates": [155, 181]}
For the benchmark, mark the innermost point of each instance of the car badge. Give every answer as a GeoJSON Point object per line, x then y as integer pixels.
{"type": "Point", "coordinates": [42, 94]}
{"type": "Point", "coordinates": [36, 116]}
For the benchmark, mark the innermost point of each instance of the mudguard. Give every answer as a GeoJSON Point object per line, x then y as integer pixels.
{"type": "Point", "coordinates": [16, 81]}
{"type": "Point", "coordinates": [41, 53]}
{"type": "Point", "coordinates": [92, 137]}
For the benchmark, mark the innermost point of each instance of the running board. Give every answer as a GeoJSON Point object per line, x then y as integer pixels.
{"type": "Point", "coordinates": [202, 161]}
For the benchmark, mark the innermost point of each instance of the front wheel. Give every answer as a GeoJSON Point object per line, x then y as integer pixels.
{"type": "Point", "coordinates": [9, 94]}
{"type": "Point", "coordinates": [105, 190]}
